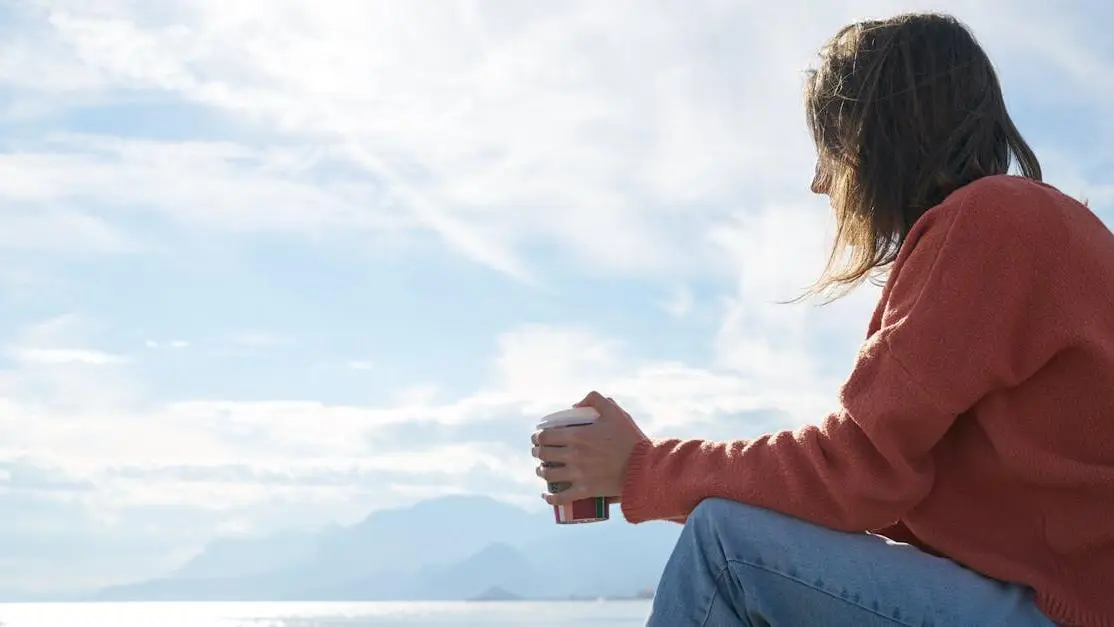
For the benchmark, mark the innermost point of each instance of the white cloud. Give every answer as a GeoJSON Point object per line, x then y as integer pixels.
{"type": "Point", "coordinates": [680, 304]}
{"type": "Point", "coordinates": [517, 126]}
{"type": "Point", "coordinates": [171, 344]}
{"type": "Point", "coordinates": [53, 365]}
{"type": "Point", "coordinates": [492, 126]}
{"type": "Point", "coordinates": [59, 231]}
{"type": "Point", "coordinates": [206, 184]}
{"type": "Point", "coordinates": [537, 369]}
{"type": "Point", "coordinates": [66, 356]}
{"type": "Point", "coordinates": [238, 456]}
{"type": "Point", "coordinates": [258, 340]}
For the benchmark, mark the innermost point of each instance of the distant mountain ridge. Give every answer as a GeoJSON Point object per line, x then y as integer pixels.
{"type": "Point", "coordinates": [451, 548]}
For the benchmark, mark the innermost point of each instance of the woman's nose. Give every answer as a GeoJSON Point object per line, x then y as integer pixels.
{"type": "Point", "coordinates": [819, 182]}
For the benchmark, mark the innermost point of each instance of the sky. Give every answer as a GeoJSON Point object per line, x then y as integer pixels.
{"type": "Point", "coordinates": [269, 266]}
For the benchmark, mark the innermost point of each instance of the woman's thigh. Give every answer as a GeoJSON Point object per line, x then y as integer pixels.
{"type": "Point", "coordinates": [766, 568]}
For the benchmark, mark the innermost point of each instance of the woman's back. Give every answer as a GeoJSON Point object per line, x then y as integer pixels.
{"type": "Point", "coordinates": [978, 422]}
{"type": "Point", "coordinates": [1023, 484]}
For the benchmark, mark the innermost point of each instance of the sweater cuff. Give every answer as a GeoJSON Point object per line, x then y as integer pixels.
{"type": "Point", "coordinates": [636, 491]}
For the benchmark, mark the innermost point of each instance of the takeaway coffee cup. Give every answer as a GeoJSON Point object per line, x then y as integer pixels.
{"type": "Point", "coordinates": [587, 510]}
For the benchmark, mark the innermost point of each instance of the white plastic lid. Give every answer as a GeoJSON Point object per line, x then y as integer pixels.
{"type": "Point", "coordinates": [569, 418]}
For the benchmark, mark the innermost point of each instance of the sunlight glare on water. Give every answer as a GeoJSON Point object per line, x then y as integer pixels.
{"type": "Point", "coordinates": [578, 614]}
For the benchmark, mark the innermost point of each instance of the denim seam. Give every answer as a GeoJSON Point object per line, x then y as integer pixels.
{"type": "Point", "coordinates": [715, 594]}
{"type": "Point", "coordinates": [812, 587]}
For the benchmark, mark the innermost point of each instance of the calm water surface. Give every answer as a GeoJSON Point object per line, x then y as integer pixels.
{"type": "Point", "coordinates": [602, 614]}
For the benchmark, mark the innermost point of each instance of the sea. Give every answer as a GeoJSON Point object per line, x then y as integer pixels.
{"type": "Point", "coordinates": [496, 614]}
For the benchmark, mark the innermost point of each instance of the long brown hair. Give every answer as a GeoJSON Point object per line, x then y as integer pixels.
{"type": "Point", "coordinates": [903, 111]}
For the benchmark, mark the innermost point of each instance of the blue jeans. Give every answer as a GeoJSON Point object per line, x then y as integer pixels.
{"type": "Point", "coordinates": [737, 564]}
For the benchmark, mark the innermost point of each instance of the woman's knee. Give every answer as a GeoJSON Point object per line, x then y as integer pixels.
{"type": "Point", "coordinates": [743, 522]}
{"type": "Point", "coordinates": [721, 509]}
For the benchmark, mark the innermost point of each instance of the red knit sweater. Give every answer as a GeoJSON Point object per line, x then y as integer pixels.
{"type": "Point", "coordinates": [978, 422]}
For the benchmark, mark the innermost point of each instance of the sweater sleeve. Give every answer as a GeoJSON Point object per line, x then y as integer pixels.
{"type": "Point", "coordinates": [954, 324]}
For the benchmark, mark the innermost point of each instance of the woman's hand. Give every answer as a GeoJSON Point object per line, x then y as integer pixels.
{"type": "Point", "coordinates": [594, 456]}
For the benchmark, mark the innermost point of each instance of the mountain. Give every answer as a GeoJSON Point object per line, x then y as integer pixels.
{"type": "Point", "coordinates": [604, 559]}
{"type": "Point", "coordinates": [495, 566]}
{"type": "Point", "coordinates": [496, 594]}
{"type": "Point", "coordinates": [436, 531]}
{"type": "Point", "coordinates": [240, 557]}
{"type": "Point", "coordinates": [452, 548]}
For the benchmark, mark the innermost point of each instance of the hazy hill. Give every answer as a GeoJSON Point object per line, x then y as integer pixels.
{"type": "Point", "coordinates": [451, 548]}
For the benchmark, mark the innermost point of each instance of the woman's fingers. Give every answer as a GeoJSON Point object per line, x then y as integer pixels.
{"type": "Point", "coordinates": [566, 436]}
{"type": "Point", "coordinates": [555, 474]}
{"type": "Point", "coordinates": [564, 497]}
{"type": "Point", "coordinates": [553, 453]}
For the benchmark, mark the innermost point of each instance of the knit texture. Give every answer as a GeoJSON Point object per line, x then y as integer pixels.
{"type": "Point", "coordinates": [978, 421]}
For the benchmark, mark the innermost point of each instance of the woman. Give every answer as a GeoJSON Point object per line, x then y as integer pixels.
{"type": "Point", "coordinates": [967, 477]}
